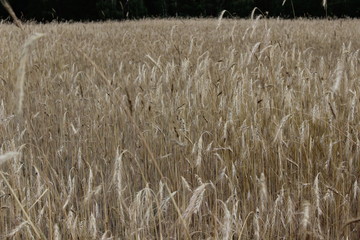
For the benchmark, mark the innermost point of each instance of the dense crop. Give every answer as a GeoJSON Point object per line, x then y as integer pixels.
{"type": "Point", "coordinates": [171, 129]}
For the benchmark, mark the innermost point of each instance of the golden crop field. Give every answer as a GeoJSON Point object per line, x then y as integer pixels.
{"type": "Point", "coordinates": [180, 129]}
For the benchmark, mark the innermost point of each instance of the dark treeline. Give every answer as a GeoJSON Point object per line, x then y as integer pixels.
{"type": "Point", "coordinates": [90, 10]}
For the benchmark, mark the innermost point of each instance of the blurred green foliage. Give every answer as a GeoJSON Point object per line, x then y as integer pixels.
{"type": "Point", "coordinates": [92, 10]}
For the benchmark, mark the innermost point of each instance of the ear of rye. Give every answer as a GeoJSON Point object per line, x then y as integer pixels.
{"type": "Point", "coordinates": [12, 14]}
{"type": "Point", "coordinates": [7, 156]}
{"type": "Point", "coordinates": [22, 68]}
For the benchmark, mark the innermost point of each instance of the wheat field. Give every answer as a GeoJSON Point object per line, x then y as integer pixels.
{"type": "Point", "coordinates": [180, 129]}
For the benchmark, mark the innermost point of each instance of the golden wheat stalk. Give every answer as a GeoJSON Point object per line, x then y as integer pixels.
{"type": "Point", "coordinates": [11, 12]}
{"type": "Point", "coordinates": [22, 68]}
{"type": "Point", "coordinates": [37, 231]}
{"type": "Point", "coordinates": [324, 3]}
